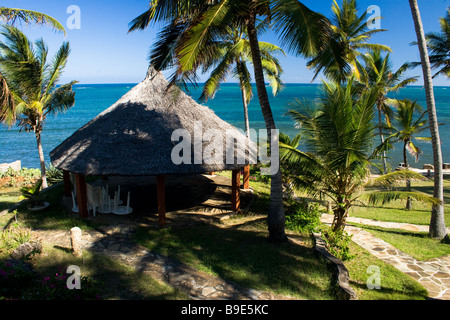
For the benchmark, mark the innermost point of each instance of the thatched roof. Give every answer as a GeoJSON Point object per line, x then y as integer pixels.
{"type": "Point", "coordinates": [133, 136]}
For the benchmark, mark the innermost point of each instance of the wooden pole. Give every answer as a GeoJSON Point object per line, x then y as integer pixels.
{"type": "Point", "coordinates": [235, 190]}
{"type": "Point", "coordinates": [161, 199]}
{"type": "Point", "coordinates": [81, 195]}
{"type": "Point", "coordinates": [246, 177]}
{"type": "Point", "coordinates": [67, 185]}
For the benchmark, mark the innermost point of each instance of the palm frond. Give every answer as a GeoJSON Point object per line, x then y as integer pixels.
{"type": "Point", "coordinates": [13, 16]}
{"type": "Point", "coordinates": [384, 197]}
{"type": "Point", "coordinates": [395, 178]}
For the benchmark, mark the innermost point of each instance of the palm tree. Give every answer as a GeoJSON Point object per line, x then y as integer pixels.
{"type": "Point", "coordinates": [233, 58]}
{"type": "Point", "coordinates": [12, 16]}
{"type": "Point", "coordinates": [33, 84]}
{"type": "Point", "coordinates": [408, 126]}
{"type": "Point", "coordinates": [337, 136]}
{"type": "Point", "coordinates": [378, 74]}
{"type": "Point", "coordinates": [192, 26]}
{"type": "Point", "coordinates": [353, 33]}
{"type": "Point", "coordinates": [439, 46]}
{"type": "Point", "coordinates": [437, 222]}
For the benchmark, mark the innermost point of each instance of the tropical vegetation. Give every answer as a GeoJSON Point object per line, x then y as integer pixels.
{"type": "Point", "coordinates": [352, 33]}
{"type": "Point", "coordinates": [410, 120]}
{"type": "Point", "coordinates": [439, 45]}
{"type": "Point", "coordinates": [437, 222]}
{"type": "Point", "coordinates": [378, 73]}
{"type": "Point", "coordinates": [337, 136]}
{"type": "Point", "coordinates": [192, 26]}
{"type": "Point", "coordinates": [33, 84]}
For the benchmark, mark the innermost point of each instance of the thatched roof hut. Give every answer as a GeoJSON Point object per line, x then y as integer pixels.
{"type": "Point", "coordinates": [133, 137]}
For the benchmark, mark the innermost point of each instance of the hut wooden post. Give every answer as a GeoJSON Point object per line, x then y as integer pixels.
{"type": "Point", "coordinates": [67, 186]}
{"type": "Point", "coordinates": [235, 190]}
{"type": "Point", "coordinates": [246, 177]}
{"type": "Point", "coordinates": [81, 195]}
{"type": "Point", "coordinates": [160, 182]}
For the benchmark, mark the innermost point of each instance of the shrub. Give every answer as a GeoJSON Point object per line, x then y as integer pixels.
{"type": "Point", "coordinates": [302, 217]}
{"type": "Point", "coordinates": [15, 275]}
{"type": "Point", "coordinates": [339, 244]}
{"type": "Point", "coordinates": [18, 280]}
{"type": "Point", "coordinates": [54, 175]}
{"type": "Point", "coordinates": [14, 236]}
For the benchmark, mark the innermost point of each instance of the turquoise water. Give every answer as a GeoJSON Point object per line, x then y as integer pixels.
{"type": "Point", "coordinates": [93, 99]}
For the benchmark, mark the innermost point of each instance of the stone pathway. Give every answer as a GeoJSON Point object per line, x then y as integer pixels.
{"type": "Point", "coordinates": [433, 274]}
{"type": "Point", "coordinates": [114, 241]}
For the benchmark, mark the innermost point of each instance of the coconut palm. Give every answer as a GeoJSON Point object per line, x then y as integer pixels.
{"type": "Point", "coordinates": [437, 222]}
{"type": "Point", "coordinates": [378, 74]}
{"type": "Point", "coordinates": [439, 46]}
{"type": "Point", "coordinates": [12, 16]}
{"type": "Point", "coordinates": [234, 57]}
{"type": "Point", "coordinates": [192, 26]}
{"type": "Point", "coordinates": [33, 84]}
{"type": "Point", "coordinates": [410, 120]}
{"type": "Point", "coordinates": [337, 138]}
{"type": "Point", "coordinates": [352, 31]}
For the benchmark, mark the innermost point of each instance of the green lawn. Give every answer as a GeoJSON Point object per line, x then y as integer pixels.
{"type": "Point", "coordinates": [416, 244]}
{"type": "Point", "coordinates": [394, 285]}
{"type": "Point", "coordinates": [8, 197]}
{"type": "Point", "coordinates": [396, 212]}
{"type": "Point", "coordinates": [241, 253]}
{"type": "Point", "coordinates": [237, 251]}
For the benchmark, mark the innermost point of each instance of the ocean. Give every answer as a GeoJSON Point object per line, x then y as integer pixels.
{"type": "Point", "coordinates": [91, 99]}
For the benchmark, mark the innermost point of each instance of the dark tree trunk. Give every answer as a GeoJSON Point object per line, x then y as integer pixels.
{"type": "Point", "coordinates": [437, 223]}
{"type": "Point", "coordinates": [408, 182]}
{"type": "Point", "coordinates": [380, 130]}
{"type": "Point", "coordinates": [276, 218]}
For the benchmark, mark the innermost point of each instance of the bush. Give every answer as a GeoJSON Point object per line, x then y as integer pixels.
{"type": "Point", "coordinates": [302, 217]}
{"type": "Point", "coordinates": [24, 177]}
{"type": "Point", "coordinates": [54, 175]}
{"type": "Point", "coordinates": [15, 275]}
{"type": "Point", "coordinates": [339, 244]}
{"type": "Point", "coordinates": [18, 280]}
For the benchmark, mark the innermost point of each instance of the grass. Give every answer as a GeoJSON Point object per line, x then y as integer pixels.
{"type": "Point", "coordinates": [394, 285]}
{"type": "Point", "coordinates": [54, 218]}
{"type": "Point", "coordinates": [238, 251]}
{"type": "Point", "coordinates": [241, 253]}
{"type": "Point", "coordinates": [8, 197]}
{"type": "Point", "coordinates": [114, 281]}
{"type": "Point", "coordinates": [416, 244]}
{"type": "Point", "coordinates": [396, 212]}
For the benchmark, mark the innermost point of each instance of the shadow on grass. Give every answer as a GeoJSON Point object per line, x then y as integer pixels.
{"type": "Point", "coordinates": [242, 254]}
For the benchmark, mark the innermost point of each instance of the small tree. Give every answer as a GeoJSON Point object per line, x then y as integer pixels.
{"type": "Point", "coordinates": [33, 85]}
{"type": "Point", "coordinates": [338, 136]}
{"type": "Point", "coordinates": [410, 120]}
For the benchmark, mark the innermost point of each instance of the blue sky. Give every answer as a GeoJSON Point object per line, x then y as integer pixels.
{"type": "Point", "coordinates": [103, 51]}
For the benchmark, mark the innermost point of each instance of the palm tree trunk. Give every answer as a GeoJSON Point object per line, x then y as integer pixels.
{"type": "Point", "coordinates": [380, 129]}
{"type": "Point", "coordinates": [340, 218]}
{"type": "Point", "coordinates": [246, 175]}
{"type": "Point", "coordinates": [408, 182]}
{"type": "Point", "coordinates": [246, 121]}
{"type": "Point", "coordinates": [41, 159]}
{"type": "Point", "coordinates": [437, 223]}
{"type": "Point", "coordinates": [275, 218]}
